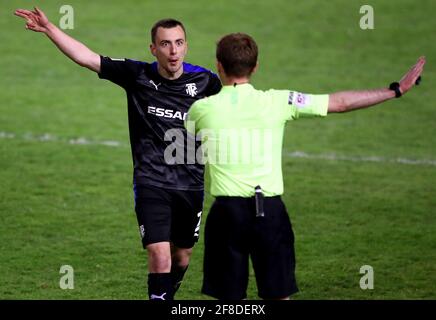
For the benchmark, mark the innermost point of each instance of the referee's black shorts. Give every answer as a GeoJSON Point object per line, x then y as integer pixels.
{"type": "Point", "coordinates": [168, 215]}
{"type": "Point", "coordinates": [233, 233]}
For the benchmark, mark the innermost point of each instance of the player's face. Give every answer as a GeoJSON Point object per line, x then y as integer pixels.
{"type": "Point", "coordinates": [170, 48]}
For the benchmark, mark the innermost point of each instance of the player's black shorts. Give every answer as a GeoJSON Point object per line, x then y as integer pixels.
{"type": "Point", "coordinates": [168, 215]}
{"type": "Point", "coordinates": [233, 233]}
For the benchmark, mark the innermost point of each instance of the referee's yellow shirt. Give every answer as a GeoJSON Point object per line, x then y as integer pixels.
{"type": "Point", "coordinates": [242, 129]}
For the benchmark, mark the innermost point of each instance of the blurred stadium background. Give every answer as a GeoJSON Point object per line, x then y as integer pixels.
{"type": "Point", "coordinates": [360, 187]}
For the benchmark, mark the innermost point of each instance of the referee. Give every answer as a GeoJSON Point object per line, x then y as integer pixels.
{"type": "Point", "coordinates": [168, 195]}
{"type": "Point", "coordinates": [242, 130]}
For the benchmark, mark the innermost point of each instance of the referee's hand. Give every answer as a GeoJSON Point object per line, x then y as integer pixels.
{"type": "Point", "coordinates": [409, 79]}
{"type": "Point", "coordinates": [36, 20]}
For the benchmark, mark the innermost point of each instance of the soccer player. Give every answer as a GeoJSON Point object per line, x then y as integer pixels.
{"type": "Point", "coordinates": [242, 131]}
{"type": "Point", "coordinates": [168, 197]}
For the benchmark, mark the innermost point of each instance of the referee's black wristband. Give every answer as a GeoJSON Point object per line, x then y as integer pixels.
{"type": "Point", "coordinates": [395, 86]}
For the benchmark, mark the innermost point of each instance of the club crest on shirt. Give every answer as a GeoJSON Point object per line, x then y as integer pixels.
{"type": "Point", "coordinates": [191, 89]}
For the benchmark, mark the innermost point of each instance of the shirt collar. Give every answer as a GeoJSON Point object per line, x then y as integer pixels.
{"type": "Point", "coordinates": [242, 86]}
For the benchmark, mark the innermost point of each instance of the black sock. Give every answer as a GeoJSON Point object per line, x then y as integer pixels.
{"type": "Point", "coordinates": [177, 274]}
{"type": "Point", "coordinates": [160, 286]}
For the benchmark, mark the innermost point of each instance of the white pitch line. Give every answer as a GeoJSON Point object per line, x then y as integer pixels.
{"type": "Point", "coordinates": [6, 135]}
{"type": "Point", "coordinates": [46, 137]}
{"type": "Point", "coordinates": [336, 157]}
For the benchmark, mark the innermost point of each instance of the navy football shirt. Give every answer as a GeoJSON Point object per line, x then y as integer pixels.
{"type": "Point", "coordinates": [156, 106]}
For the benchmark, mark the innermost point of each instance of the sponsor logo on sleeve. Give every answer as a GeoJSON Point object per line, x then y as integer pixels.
{"type": "Point", "coordinates": [298, 99]}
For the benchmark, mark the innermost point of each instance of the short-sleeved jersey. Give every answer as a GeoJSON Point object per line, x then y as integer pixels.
{"type": "Point", "coordinates": [242, 132]}
{"type": "Point", "coordinates": [157, 108]}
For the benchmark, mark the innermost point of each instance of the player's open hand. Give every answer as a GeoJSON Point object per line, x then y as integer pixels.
{"type": "Point", "coordinates": [409, 79]}
{"type": "Point", "coordinates": [35, 20]}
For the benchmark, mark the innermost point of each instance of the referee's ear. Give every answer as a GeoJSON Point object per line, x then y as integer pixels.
{"type": "Point", "coordinates": [220, 69]}
{"type": "Point", "coordinates": [255, 68]}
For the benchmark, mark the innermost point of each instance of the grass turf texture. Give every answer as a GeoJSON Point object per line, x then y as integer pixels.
{"type": "Point", "coordinates": [68, 204]}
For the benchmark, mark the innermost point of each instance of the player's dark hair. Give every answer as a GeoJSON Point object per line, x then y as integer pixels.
{"type": "Point", "coordinates": [237, 53]}
{"type": "Point", "coordinates": [167, 24]}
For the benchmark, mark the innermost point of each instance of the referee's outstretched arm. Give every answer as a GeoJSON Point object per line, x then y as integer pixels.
{"type": "Point", "coordinates": [37, 21]}
{"type": "Point", "coordinates": [351, 100]}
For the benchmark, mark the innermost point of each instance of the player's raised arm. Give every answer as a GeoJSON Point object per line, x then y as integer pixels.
{"type": "Point", "coordinates": [37, 21]}
{"type": "Point", "coordinates": [352, 100]}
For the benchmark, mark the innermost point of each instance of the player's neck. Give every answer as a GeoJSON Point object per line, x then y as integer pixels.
{"type": "Point", "coordinates": [169, 75]}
